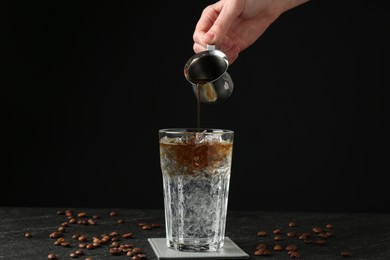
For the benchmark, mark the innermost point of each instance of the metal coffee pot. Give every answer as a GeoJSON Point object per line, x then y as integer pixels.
{"type": "Point", "coordinates": [207, 73]}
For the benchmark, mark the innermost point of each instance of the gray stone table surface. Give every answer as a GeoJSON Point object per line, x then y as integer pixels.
{"type": "Point", "coordinates": [363, 235]}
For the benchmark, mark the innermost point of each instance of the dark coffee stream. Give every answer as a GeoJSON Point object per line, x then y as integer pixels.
{"type": "Point", "coordinates": [199, 86]}
{"type": "Point", "coordinates": [198, 89]}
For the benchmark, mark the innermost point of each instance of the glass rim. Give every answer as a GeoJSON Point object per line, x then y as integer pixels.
{"type": "Point", "coordinates": [189, 130]}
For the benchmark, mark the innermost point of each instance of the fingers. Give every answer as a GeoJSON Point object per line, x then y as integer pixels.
{"type": "Point", "coordinates": [214, 25]}
{"type": "Point", "coordinates": [231, 50]}
{"type": "Point", "coordinates": [205, 22]}
{"type": "Point", "coordinates": [228, 14]}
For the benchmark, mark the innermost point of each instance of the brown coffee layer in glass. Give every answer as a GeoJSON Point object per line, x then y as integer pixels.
{"type": "Point", "coordinates": [196, 156]}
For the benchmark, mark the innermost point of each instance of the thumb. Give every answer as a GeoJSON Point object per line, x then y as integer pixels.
{"type": "Point", "coordinates": [217, 32]}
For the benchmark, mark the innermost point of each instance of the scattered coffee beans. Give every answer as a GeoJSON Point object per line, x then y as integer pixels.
{"type": "Point", "coordinates": [112, 239]}
{"type": "Point", "coordinates": [317, 235]}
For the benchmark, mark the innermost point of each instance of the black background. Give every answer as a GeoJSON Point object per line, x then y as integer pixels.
{"type": "Point", "coordinates": [87, 85]}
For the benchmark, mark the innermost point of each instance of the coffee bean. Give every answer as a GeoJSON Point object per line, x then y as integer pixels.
{"type": "Point", "coordinates": [303, 236]}
{"type": "Point", "coordinates": [292, 224]}
{"type": "Point", "coordinates": [259, 251]}
{"type": "Point", "coordinates": [277, 231]}
{"type": "Point", "coordinates": [28, 235]}
{"type": "Point", "coordinates": [317, 230]}
{"type": "Point", "coordinates": [104, 240]}
{"type": "Point", "coordinates": [82, 222]}
{"type": "Point", "coordinates": [263, 252]}
{"type": "Point", "coordinates": [329, 234]}
{"type": "Point", "coordinates": [261, 246]}
{"type": "Point", "coordinates": [65, 244]}
{"type": "Point", "coordinates": [290, 234]}
{"type": "Point", "coordinates": [82, 238]}
{"type": "Point", "coordinates": [73, 255]}
{"type": "Point", "coordinates": [115, 251]}
{"type": "Point", "coordinates": [61, 229]}
{"type": "Point", "coordinates": [90, 246]}
{"type": "Point", "coordinates": [76, 236]}
{"type": "Point", "coordinates": [116, 238]}
{"type": "Point", "coordinates": [345, 254]}
{"type": "Point", "coordinates": [91, 222]}
{"type": "Point", "coordinates": [147, 227]}
{"type": "Point", "coordinates": [291, 247]}
{"type": "Point", "coordinates": [127, 235]}
{"type": "Point", "coordinates": [61, 212]}
{"type": "Point", "coordinates": [105, 237]}
{"type": "Point", "coordinates": [323, 235]}
{"type": "Point", "coordinates": [55, 234]}
{"type": "Point", "coordinates": [278, 238]}
{"type": "Point", "coordinates": [294, 254]}
{"type": "Point", "coordinates": [137, 250]}
{"type": "Point", "coordinates": [114, 234]}
{"type": "Point", "coordinates": [82, 214]}
{"type": "Point", "coordinates": [277, 248]}
{"type": "Point", "coordinates": [115, 244]}
{"type": "Point", "coordinates": [261, 233]}
{"type": "Point", "coordinates": [82, 245]}
{"type": "Point", "coordinates": [113, 213]}
{"type": "Point", "coordinates": [129, 246]}
{"type": "Point", "coordinates": [79, 252]}
{"type": "Point", "coordinates": [59, 241]}
{"type": "Point", "coordinates": [329, 226]}
{"type": "Point", "coordinates": [321, 242]}
{"type": "Point", "coordinates": [52, 256]}
{"type": "Point", "coordinates": [68, 212]}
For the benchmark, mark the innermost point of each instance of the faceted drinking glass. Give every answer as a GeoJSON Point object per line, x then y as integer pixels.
{"type": "Point", "coordinates": [196, 166]}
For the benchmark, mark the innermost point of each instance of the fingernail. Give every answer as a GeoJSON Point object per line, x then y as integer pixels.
{"type": "Point", "coordinates": [208, 37]}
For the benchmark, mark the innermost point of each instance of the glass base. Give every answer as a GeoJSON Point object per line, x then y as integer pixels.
{"type": "Point", "coordinates": [195, 245]}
